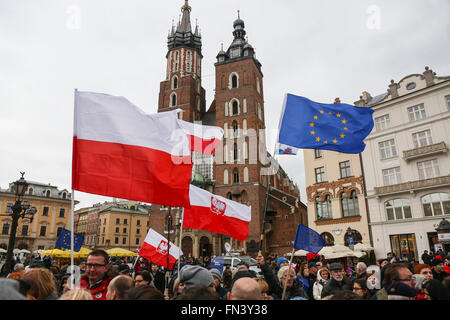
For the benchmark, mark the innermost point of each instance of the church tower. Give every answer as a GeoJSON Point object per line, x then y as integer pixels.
{"type": "Point", "coordinates": [239, 103]}
{"type": "Point", "coordinates": [182, 87]}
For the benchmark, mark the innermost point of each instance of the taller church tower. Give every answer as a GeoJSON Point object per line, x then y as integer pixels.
{"type": "Point", "coordinates": [182, 87]}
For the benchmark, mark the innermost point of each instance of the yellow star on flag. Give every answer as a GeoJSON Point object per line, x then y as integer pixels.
{"type": "Point", "coordinates": [342, 135]}
{"type": "Point", "coordinates": [313, 132]}
{"type": "Point", "coordinates": [318, 139]}
{"type": "Point", "coordinates": [316, 117]}
{"type": "Point", "coordinates": [335, 141]}
{"type": "Point", "coordinates": [344, 121]}
{"type": "Point", "coordinates": [338, 115]}
{"type": "Point", "coordinates": [311, 124]}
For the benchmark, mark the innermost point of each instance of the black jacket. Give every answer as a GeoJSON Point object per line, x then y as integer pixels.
{"type": "Point", "coordinates": [333, 286]}
{"type": "Point", "coordinates": [276, 289]}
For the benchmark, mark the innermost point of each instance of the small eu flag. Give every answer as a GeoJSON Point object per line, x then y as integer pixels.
{"type": "Point", "coordinates": [311, 125]}
{"type": "Point", "coordinates": [64, 240]}
{"type": "Point", "coordinates": [308, 239]}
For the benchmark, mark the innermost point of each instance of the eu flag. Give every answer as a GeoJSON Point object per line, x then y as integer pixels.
{"type": "Point", "coordinates": [64, 240]}
{"type": "Point", "coordinates": [311, 125]}
{"type": "Point", "coordinates": [308, 239]}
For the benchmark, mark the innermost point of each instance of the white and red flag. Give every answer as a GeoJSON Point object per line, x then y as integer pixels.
{"type": "Point", "coordinates": [202, 138]}
{"type": "Point", "coordinates": [155, 249]}
{"type": "Point", "coordinates": [217, 214]}
{"type": "Point", "coordinates": [120, 151]}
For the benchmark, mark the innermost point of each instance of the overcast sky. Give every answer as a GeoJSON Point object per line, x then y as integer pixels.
{"type": "Point", "coordinates": [318, 49]}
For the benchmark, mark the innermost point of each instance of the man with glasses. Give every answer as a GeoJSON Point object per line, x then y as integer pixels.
{"type": "Point", "coordinates": [395, 273]}
{"type": "Point", "coordinates": [96, 279]}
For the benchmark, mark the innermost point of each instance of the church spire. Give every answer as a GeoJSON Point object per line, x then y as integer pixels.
{"type": "Point", "coordinates": [183, 35]}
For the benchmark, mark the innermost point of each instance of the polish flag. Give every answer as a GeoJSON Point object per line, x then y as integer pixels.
{"type": "Point", "coordinates": [217, 214]}
{"type": "Point", "coordinates": [203, 139]}
{"type": "Point", "coordinates": [155, 249]}
{"type": "Point", "coordinates": [122, 152]}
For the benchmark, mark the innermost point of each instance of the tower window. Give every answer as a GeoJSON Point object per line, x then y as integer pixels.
{"type": "Point", "coordinates": [175, 83]}
{"type": "Point", "coordinates": [173, 100]}
{"type": "Point", "coordinates": [234, 81]}
{"type": "Point", "coordinates": [235, 152]}
{"type": "Point", "coordinates": [235, 176]}
{"type": "Point", "coordinates": [235, 129]}
{"type": "Point", "coordinates": [235, 107]}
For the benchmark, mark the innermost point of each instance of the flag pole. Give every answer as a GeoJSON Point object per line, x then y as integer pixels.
{"type": "Point", "coordinates": [169, 226]}
{"type": "Point", "coordinates": [72, 239]}
{"type": "Point", "coordinates": [288, 274]}
{"type": "Point", "coordinates": [181, 232]}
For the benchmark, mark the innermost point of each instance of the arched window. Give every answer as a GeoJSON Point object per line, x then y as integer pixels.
{"type": "Point", "coordinates": [436, 204]}
{"type": "Point", "coordinates": [229, 196]}
{"type": "Point", "coordinates": [175, 83]}
{"type": "Point", "coordinates": [323, 208]}
{"type": "Point", "coordinates": [349, 206]}
{"type": "Point", "coordinates": [47, 193]}
{"type": "Point", "coordinates": [234, 81]}
{"type": "Point", "coordinates": [235, 152]}
{"type": "Point", "coordinates": [352, 237]}
{"type": "Point", "coordinates": [173, 99]}
{"type": "Point", "coordinates": [398, 209]}
{"type": "Point", "coordinates": [235, 175]}
{"type": "Point", "coordinates": [235, 129]}
{"type": "Point", "coordinates": [235, 105]}
{"type": "Point", "coordinates": [328, 238]}
{"type": "Point", "coordinates": [30, 191]}
{"type": "Point", "coordinates": [244, 197]}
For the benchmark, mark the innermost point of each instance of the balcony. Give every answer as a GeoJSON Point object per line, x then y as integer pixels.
{"type": "Point", "coordinates": [412, 186]}
{"type": "Point", "coordinates": [425, 151]}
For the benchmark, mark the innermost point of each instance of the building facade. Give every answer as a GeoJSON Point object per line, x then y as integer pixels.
{"type": "Point", "coordinates": [336, 197]}
{"type": "Point", "coordinates": [407, 164]}
{"type": "Point", "coordinates": [53, 214]}
{"type": "Point", "coordinates": [240, 168]}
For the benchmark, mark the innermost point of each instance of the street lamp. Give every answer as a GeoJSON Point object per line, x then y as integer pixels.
{"type": "Point", "coordinates": [19, 210]}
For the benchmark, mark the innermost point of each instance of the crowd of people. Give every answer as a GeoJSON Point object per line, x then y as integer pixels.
{"type": "Point", "coordinates": [109, 278]}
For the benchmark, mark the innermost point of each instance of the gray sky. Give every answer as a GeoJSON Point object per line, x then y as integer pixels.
{"type": "Point", "coordinates": [318, 49]}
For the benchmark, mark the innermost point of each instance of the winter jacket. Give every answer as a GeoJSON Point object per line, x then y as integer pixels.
{"type": "Point", "coordinates": [276, 289]}
{"type": "Point", "coordinates": [97, 290]}
{"type": "Point", "coordinates": [318, 287]}
{"type": "Point", "coordinates": [333, 286]}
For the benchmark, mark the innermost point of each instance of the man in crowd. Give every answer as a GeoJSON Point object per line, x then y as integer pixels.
{"type": "Point", "coordinates": [438, 269]}
{"type": "Point", "coordinates": [245, 289]}
{"type": "Point", "coordinates": [158, 276]}
{"type": "Point", "coordinates": [96, 279]}
{"type": "Point", "coordinates": [361, 270]}
{"type": "Point", "coordinates": [394, 273]}
{"type": "Point", "coordinates": [338, 281]}
{"type": "Point", "coordinates": [118, 288]}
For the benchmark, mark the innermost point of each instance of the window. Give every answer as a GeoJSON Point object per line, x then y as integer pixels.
{"type": "Point", "coordinates": [124, 240]}
{"type": "Point", "coordinates": [320, 174]}
{"type": "Point", "coordinates": [225, 176]}
{"type": "Point", "coordinates": [391, 176]}
{"type": "Point", "coordinates": [124, 230]}
{"type": "Point", "coordinates": [387, 149]}
{"type": "Point", "coordinates": [382, 123]}
{"type": "Point", "coordinates": [234, 81]}
{"type": "Point", "coordinates": [117, 230]}
{"type": "Point", "coordinates": [30, 191]}
{"type": "Point", "coordinates": [47, 193]}
{"type": "Point", "coordinates": [138, 231]}
{"type": "Point", "coordinates": [62, 212]}
{"type": "Point", "coordinates": [235, 129]}
{"type": "Point", "coordinates": [45, 212]}
{"type": "Point", "coordinates": [323, 208]}
{"type": "Point", "coordinates": [175, 83]}
{"type": "Point", "coordinates": [345, 169]}
{"type": "Point", "coordinates": [436, 204]}
{"type": "Point", "coordinates": [118, 221]}
{"type": "Point", "coordinates": [116, 240]}
{"type": "Point", "coordinates": [137, 241]}
{"type": "Point", "coordinates": [416, 113]}
{"type": "Point", "coordinates": [5, 228]}
{"type": "Point", "coordinates": [25, 230]}
{"type": "Point", "coordinates": [138, 222]}
{"type": "Point", "coordinates": [125, 221]}
{"type": "Point", "coordinates": [422, 138]}
{"type": "Point", "coordinates": [235, 106]}
{"type": "Point", "coordinates": [173, 99]}
{"type": "Point", "coordinates": [447, 98]}
{"type": "Point", "coordinates": [350, 205]}
{"type": "Point", "coordinates": [398, 209]}
{"type": "Point", "coordinates": [235, 176]}
{"type": "Point", "coordinates": [43, 231]}
{"type": "Point", "coordinates": [428, 169]}
{"type": "Point", "coordinates": [235, 152]}
{"type": "Point", "coordinates": [318, 153]}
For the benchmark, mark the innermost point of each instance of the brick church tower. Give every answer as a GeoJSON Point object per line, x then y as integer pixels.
{"type": "Point", "coordinates": [182, 87]}
{"type": "Point", "coordinates": [239, 103]}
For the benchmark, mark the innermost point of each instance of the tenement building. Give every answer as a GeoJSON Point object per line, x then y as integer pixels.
{"type": "Point", "coordinates": [240, 168]}
{"type": "Point", "coordinates": [407, 164]}
{"type": "Point", "coordinates": [336, 196]}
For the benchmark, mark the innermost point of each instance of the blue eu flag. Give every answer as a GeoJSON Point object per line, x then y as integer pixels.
{"type": "Point", "coordinates": [64, 240]}
{"type": "Point", "coordinates": [308, 239]}
{"type": "Point", "coordinates": [311, 125]}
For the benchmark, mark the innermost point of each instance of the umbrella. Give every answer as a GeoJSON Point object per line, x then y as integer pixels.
{"type": "Point", "coordinates": [2, 250]}
{"type": "Point", "coordinates": [336, 251]}
{"type": "Point", "coordinates": [362, 247]}
{"type": "Point", "coordinates": [300, 253]}
{"type": "Point", "coordinates": [119, 252]}
{"type": "Point", "coordinates": [24, 251]}
{"type": "Point", "coordinates": [52, 252]}
{"type": "Point", "coordinates": [76, 254]}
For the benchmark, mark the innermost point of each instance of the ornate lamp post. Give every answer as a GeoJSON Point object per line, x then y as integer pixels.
{"type": "Point", "coordinates": [19, 210]}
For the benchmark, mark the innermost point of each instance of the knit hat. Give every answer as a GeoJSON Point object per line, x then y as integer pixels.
{"type": "Point", "coordinates": [336, 266]}
{"type": "Point", "coordinates": [401, 289]}
{"type": "Point", "coordinates": [194, 275]}
{"type": "Point", "coordinates": [216, 273]}
{"type": "Point", "coordinates": [280, 260]}
{"type": "Point", "coordinates": [9, 290]}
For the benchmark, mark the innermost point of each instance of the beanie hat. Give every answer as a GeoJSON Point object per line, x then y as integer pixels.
{"type": "Point", "coordinates": [401, 289]}
{"type": "Point", "coordinates": [194, 275]}
{"type": "Point", "coordinates": [280, 260]}
{"type": "Point", "coordinates": [216, 273]}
